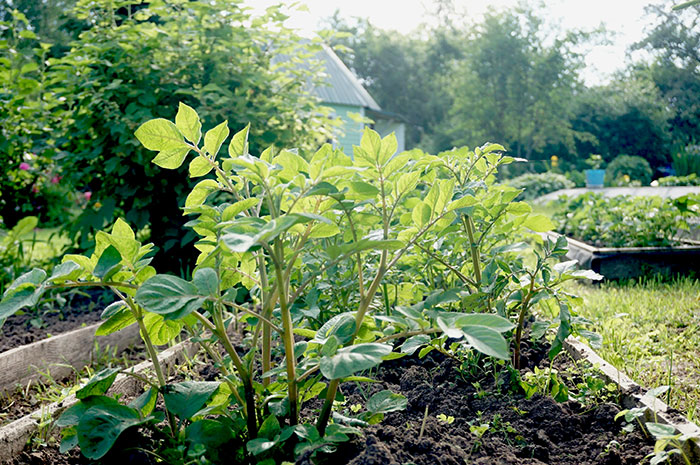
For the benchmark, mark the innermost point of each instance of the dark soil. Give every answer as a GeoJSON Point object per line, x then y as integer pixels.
{"type": "Point", "coordinates": [531, 431]}
{"type": "Point", "coordinates": [80, 309]}
{"type": "Point", "coordinates": [519, 431]}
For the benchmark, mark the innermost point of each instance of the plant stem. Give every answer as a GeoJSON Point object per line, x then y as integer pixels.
{"type": "Point", "coordinates": [469, 225]}
{"type": "Point", "coordinates": [327, 407]}
{"type": "Point", "coordinates": [287, 335]}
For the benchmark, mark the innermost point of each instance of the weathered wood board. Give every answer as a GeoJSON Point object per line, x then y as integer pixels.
{"type": "Point", "coordinates": [58, 355]}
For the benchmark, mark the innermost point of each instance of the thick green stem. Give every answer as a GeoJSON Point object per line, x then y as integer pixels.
{"type": "Point", "coordinates": [469, 224]}
{"type": "Point", "coordinates": [153, 355]}
{"type": "Point", "coordinates": [327, 407]}
{"type": "Point", "coordinates": [288, 335]}
{"type": "Point", "coordinates": [249, 392]}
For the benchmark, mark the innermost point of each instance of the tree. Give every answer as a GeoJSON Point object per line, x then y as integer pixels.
{"type": "Point", "coordinates": [514, 88]}
{"type": "Point", "coordinates": [626, 116]}
{"type": "Point", "coordinates": [406, 74]}
{"type": "Point", "coordinates": [674, 43]}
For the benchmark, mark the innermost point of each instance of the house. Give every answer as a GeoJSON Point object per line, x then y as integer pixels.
{"type": "Point", "coordinates": [352, 103]}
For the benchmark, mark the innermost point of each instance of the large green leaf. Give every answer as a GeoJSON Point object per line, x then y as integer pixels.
{"type": "Point", "coordinates": [160, 330]}
{"type": "Point", "coordinates": [100, 426]}
{"type": "Point", "coordinates": [539, 223]}
{"type": "Point", "coordinates": [187, 121]}
{"type": "Point", "coordinates": [108, 264]}
{"type": "Point", "coordinates": [215, 137]}
{"type": "Point", "coordinates": [487, 341]}
{"type": "Point", "coordinates": [169, 296]}
{"type": "Point", "coordinates": [98, 384]}
{"type": "Point", "coordinates": [171, 158]}
{"type": "Point", "coordinates": [160, 134]}
{"type": "Point", "coordinates": [349, 360]}
{"type": "Point", "coordinates": [188, 397]}
{"type": "Point", "coordinates": [25, 291]}
{"type": "Point", "coordinates": [494, 322]}
{"type": "Point", "coordinates": [118, 320]}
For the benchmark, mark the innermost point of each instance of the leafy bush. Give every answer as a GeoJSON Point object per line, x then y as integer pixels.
{"type": "Point", "coordinates": [127, 68]}
{"type": "Point", "coordinates": [341, 256]}
{"type": "Point", "coordinates": [26, 147]}
{"type": "Point", "coordinates": [624, 221]}
{"type": "Point", "coordinates": [537, 185]}
{"type": "Point", "coordinates": [686, 161]}
{"type": "Point", "coordinates": [625, 169]}
{"type": "Point", "coordinates": [689, 180]}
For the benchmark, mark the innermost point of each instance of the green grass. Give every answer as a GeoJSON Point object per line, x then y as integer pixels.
{"type": "Point", "coordinates": [651, 331]}
{"type": "Point", "coordinates": [43, 245]}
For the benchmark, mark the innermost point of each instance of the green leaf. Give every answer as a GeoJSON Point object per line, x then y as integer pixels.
{"type": "Point", "coordinates": [259, 445]}
{"type": "Point", "coordinates": [98, 384]}
{"type": "Point", "coordinates": [371, 144]}
{"type": "Point", "coordinates": [206, 281]}
{"type": "Point", "coordinates": [146, 402]}
{"type": "Point", "coordinates": [24, 226]}
{"type": "Point", "coordinates": [660, 430]}
{"type": "Point", "coordinates": [199, 167]}
{"type": "Point", "coordinates": [386, 401]}
{"type": "Point", "coordinates": [212, 433]}
{"type": "Point", "coordinates": [161, 331]}
{"type": "Point", "coordinates": [100, 426]}
{"type": "Point", "coordinates": [539, 223]}
{"type": "Point", "coordinates": [494, 322]}
{"type": "Point", "coordinates": [231, 211]}
{"type": "Point", "coordinates": [116, 321]}
{"type": "Point", "coordinates": [487, 341]}
{"type": "Point", "coordinates": [64, 271]}
{"type": "Point", "coordinates": [169, 296]}
{"type": "Point", "coordinates": [171, 158]}
{"type": "Point", "coordinates": [421, 214]}
{"type": "Point", "coordinates": [363, 190]}
{"type": "Point", "coordinates": [239, 143]}
{"type": "Point", "coordinates": [519, 208]}
{"type": "Point", "coordinates": [413, 343]}
{"type": "Point", "coordinates": [188, 397]}
{"type": "Point", "coordinates": [160, 134]}
{"type": "Point", "coordinates": [200, 192]}
{"type": "Point", "coordinates": [341, 326]}
{"type": "Point", "coordinates": [187, 121]}
{"type": "Point", "coordinates": [215, 137]}
{"type": "Point", "coordinates": [462, 202]}
{"type": "Point", "coordinates": [108, 263]}
{"type": "Point", "coordinates": [349, 360]}
{"type": "Point", "coordinates": [25, 291]}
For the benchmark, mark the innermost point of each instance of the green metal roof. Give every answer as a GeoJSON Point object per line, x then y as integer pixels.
{"type": "Point", "coordinates": [343, 87]}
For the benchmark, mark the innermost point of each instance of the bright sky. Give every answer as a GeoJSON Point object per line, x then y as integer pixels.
{"type": "Point", "coordinates": [625, 19]}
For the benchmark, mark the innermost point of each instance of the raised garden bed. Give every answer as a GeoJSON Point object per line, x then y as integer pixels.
{"type": "Point", "coordinates": [449, 419]}
{"type": "Point", "coordinates": [634, 262]}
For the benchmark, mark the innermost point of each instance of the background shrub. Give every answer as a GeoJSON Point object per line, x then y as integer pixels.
{"type": "Point", "coordinates": [537, 185]}
{"type": "Point", "coordinates": [689, 180]}
{"type": "Point", "coordinates": [636, 168]}
{"type": "Point", "coordinates": [686, 161]}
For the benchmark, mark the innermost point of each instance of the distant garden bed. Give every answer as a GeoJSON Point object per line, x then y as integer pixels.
{"type": "Point", "coordinates": [629, 237]}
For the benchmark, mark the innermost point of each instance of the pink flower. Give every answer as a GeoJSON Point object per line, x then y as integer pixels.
{"type": "Point", "coordinates": [56, 179]}
{"type": "Point", "coordinates": [87, 195]}
{"type": "Point", "coordinates": [24, 166]}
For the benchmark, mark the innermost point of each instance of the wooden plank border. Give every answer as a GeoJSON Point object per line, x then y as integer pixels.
{"type": "Point", "coordinates": [59, 354]}
{"type": "Point", "coordinates": [14, 436]}
{"type": "Point", "coordinates": [634, 396]}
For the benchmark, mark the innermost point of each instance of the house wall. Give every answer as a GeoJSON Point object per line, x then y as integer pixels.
{"type": "Point", "coordinates": [386, 126]}
{"type": "Point", "coordinates": [350, 131]}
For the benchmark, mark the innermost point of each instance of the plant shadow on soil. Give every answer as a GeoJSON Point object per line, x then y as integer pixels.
{"type": "Point", "coordinates": [521, 431]}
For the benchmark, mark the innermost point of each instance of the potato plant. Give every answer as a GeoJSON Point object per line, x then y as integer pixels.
{"type": "Point", "coordinates": [329, 251]}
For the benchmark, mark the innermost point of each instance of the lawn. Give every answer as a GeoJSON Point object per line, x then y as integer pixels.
{"type": "Point", "coordinates": [651, 331]}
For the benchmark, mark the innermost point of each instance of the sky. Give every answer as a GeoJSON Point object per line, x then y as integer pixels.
{"type": "Point", "coordinates": [624, 19]}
